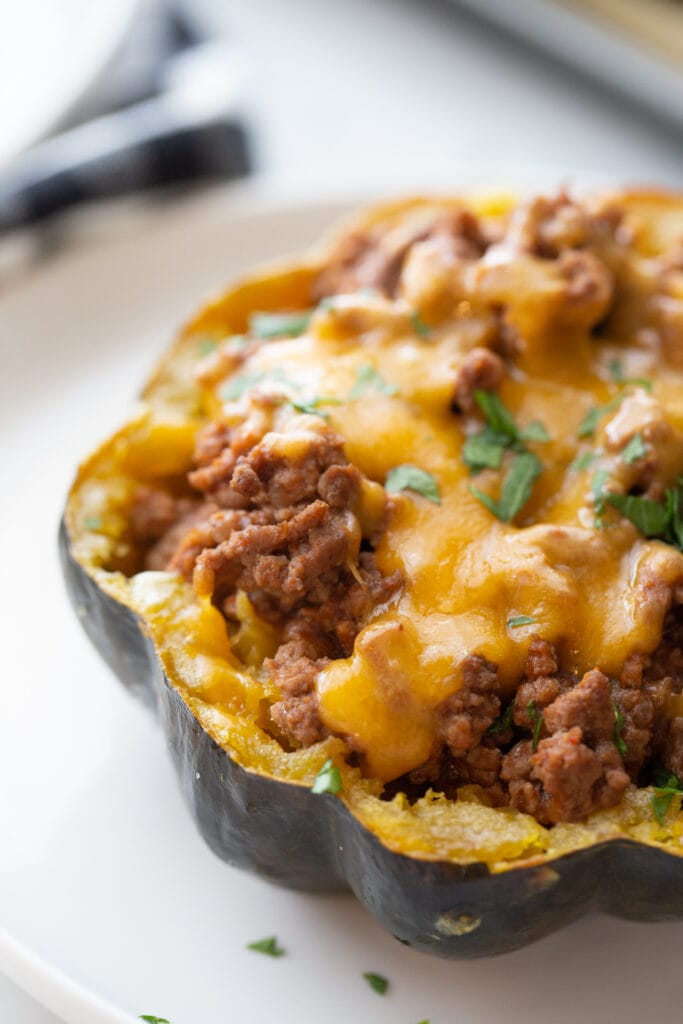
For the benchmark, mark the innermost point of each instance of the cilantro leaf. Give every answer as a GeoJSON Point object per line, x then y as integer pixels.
{"type": "Point", "coordinates": [268, 947]}
{"type": "Point", "coordinates": [496, 414]}
{"type": "Point", "coordinates": [536, 722]}
{"type": "Point", "coordinates": [419, 326]}
{"type": "Point", "coordinates": [675, 502]}
{"type": "Point", "coordinates": [585, 460]}
{"type": "Point", "coordinates": [93, 523]}
{"type": "Point", "coordinates": [328, 779]}
{"type": "Point", "coordinates": [619, 740]}
{"type": "Point", "coordinates": [377, 982]}
{"type": "Point", "coordinates": [616, 368]}
{"type": "Point", "coordinates": [368, 377]}
{"type": "Point", "coordinates": [503, 722]}
{"type": "Point", "coordinates": [151, 1019]}
{"type": "Point", "coordinates": [520, 620]}
{"type": "Point", "coordinates": [312, 405]}
{"type": "Point", "coordinates": [599, 495]}
{"type": "Point", "coordinates": [651, 518]}
{"type": "Point", "coordinates": [589, 423]}
{"type": "Point", "coordinates": [516, 489]}
{"type": "Point", "coordinates": [205, 346]}
{"type": "Point", "coordinates": [279, 325]}
{"type": "Point", "coordinates": [412, 478]}
{"type": "Point", "coordinates": [634, 450]}
{"type": "Point", "coordinates": [534, 431]}
{"type": "Point", "coordinates": [484, 450]}
{"type": "Point", "coordinates": [239, 386]}
{"type": "Point", "coordinates": [664, 794]}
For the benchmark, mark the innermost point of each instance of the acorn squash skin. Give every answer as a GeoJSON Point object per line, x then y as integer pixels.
{"type": "Point", "coordinates": [286, 834]}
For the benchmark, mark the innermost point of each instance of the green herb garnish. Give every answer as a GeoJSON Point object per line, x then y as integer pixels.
{"type": "Point", "coordinates": [589, 423]}
{"type": "Point", "coordinates": [599, 495]}
{"type": "Point", "coordinates": [412, 478]}
{"type": "Point", "coordinates": [239, 386]}
{"type": "Point", "coordinates": [650, 517]}
{"type": "Point", "coordinates": [619, 740]}
{"type": "Point", "coordinates": [663, 795]}
{"type": "Point", "coordinates": [419, 326]}
{"type": "Point", "coordinates": [516, 490]}
{"type": "Point", "coordinates": [503, 722]}
{"type": "Point", "coordinates": [485, 450]}
{"type": "Point", "coordinates": [368, 377]}
{"type": "Point", "coordinates": [534, 431]}
{"type": "Point", "coordinates": [616, 368]}
{"type": "Point", "coordinates": [377, 982]}
{"type": "Point", "coordinates": [634, 450]}
{"type": "Point", "coordinates": [312, 405]}
{"type": "Point", "coordinates": [205, 346]}
{"type": "Point", "coordinates": [328, 779]}
{"type": "Point", "coordinates": [585, 460]}
{"type": "Point", "coordinates": [279, 325]}
{"type": "Point", "coordinates": [536, 722]}
{"type": "Point", "coordinates": [268, 947]}
{"type": "Point", "coordinates": [497, 415]}
{"type": "Point", "coordinates": [151, 1019]}
{"type": "Point", "coordinates": [521, 620]}
{"type": "Point", "coordinates": [92, 523]}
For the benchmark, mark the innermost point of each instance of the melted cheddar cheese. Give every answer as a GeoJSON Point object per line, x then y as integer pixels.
{"type": "Point", "coordinates": [597, 592]}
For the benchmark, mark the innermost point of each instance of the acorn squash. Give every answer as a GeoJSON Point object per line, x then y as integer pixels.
{"type": "Point", "coordinates": [456, 875]}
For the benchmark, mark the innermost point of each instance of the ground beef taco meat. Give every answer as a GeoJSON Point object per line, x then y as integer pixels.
{"type": "Point", "coordinates": [447, 498]}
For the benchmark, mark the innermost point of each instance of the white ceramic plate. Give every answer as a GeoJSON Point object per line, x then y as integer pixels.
{"type": "Point", "coordinates": [111, 903]}
{"type": "Point", "coordinates": [51, 53]}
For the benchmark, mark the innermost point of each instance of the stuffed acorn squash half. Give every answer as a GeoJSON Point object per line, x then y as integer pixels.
{"type": "Point", "coordinates": [393, 545]}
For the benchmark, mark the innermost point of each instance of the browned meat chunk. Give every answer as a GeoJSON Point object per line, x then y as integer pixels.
{"type": "Point", "coordinates": [481, 370]}
{"type": "Point", "coordinates": [466, 715]}
{"type": "Point", "coordinates": [587, 705]}
{"type": "Point", "coordinates": [576, 779]}
{"type": "Point", "coordinates": [294, 668]}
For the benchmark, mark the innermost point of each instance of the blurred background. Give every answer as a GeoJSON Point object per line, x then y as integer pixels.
{"type": "Point", "coordinates": [141, 99]}
{"type": "Point", "coordinates": [127, 95]}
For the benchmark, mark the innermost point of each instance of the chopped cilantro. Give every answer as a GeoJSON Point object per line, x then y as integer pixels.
{"type": "Point", "coordinates": [151, 1019]}
{"type": "Point", "coordinates": [616, 368]}
{"type": "Point", "coordinates": [239, 386]}
{"type": "Point", "coordinates": [599, 495]}
{"type": "Point", "coordinates": [279, 325]}
{"type": "Point", "coordinates": [536, 722]}
{"type": "Point", "coordinates": [412, 478]}
{"type": "Point", "coordinates": [589, 423]}
{"type": "Point", "coordinates": [497, 415]}
{"type": "Point", "coordinates": [328, 779]}
{"type": "Point", "coordinates": [585, 460]}
{"type": "Point", "coordinates": [651, 518]}
{"type": "Point", "coordinates": [485, 450]}
{"type": "Point", "coordinates": [663, 795]}
{"type": "Point", "coordinates": [312, 405]}
{"type": "Point", "coordinates": [534, 431]}
{"type": "Point", "coordinates": [634, 450]}
{"type": "Point", "coordinates": [204, 348]}
{"type": "Point", "coordinates": [92, 523]}
{"type": "Point", "coordinates": [516, 489]}
{"type": "Point", "coordinates": [268, 947]}
{"type": "Point", "coordinates": [619, 740]}
{"type": "Point", "coordinates": [377, 982]}
{"type": "Point", "coordinates": [368, 377]}
{"type": "Point", "coordinates": [419, 326]}
{"type": "Point", "coordinates": [521, 620]}
{"type": "Point", "coordinates": [503, 722]}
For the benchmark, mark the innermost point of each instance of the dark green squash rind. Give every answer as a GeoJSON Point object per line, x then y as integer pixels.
{"type": "Point", "coordinates": [285, 833]}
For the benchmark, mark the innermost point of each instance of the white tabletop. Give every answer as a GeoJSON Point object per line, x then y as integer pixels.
{"type": "Point", "coordinates": [356, 88]}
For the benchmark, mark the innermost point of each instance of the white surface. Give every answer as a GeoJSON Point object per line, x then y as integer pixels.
{"type": "Point", "coordinates": [102, 875]}
{"type": "Point", "coordinates": [51, 53]}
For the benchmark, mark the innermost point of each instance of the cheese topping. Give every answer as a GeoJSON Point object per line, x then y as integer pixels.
{"type": "Point", "coordinates": [596, 357]}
